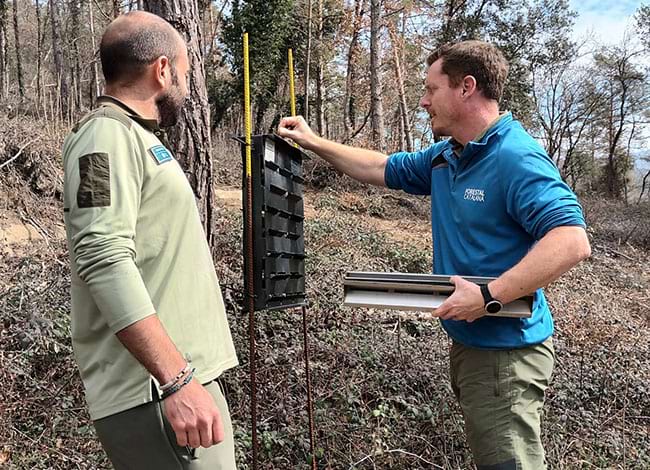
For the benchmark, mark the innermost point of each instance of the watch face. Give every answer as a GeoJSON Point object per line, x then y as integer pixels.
{"type": "Point", "coordinates": [493, 307]}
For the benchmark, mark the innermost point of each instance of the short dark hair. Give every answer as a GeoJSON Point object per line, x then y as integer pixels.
{"type": "Point", "coordinates": [125, 55]}
{"type": "Point", "coordinates": [479, 59]}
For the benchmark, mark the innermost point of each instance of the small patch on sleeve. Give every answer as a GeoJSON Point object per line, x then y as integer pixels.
{"type": "Point", "coordinates": [161, 154]}
{"type": "Point", "coordinates": [94, 181]}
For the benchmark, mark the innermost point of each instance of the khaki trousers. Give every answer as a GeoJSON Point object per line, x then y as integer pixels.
{"type": "Point", "coordinates": [142, 439]}
{"type": "Point", "coordinates": [501, 394]}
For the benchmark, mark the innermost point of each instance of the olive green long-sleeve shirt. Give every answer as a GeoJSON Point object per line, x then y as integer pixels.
{"type": "Point", "coordinates": [137, 248]}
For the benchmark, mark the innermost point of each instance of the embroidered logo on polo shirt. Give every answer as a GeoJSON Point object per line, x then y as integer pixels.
{"type": "Point", "coordinates": [161, 154]}
{"type": "Point", "coordinates": [476, 195]}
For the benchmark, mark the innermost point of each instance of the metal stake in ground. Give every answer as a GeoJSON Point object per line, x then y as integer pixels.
{"type": "Point", "coordinates": [310, 406]}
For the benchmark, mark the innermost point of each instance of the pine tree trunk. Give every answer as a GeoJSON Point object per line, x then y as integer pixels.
{"type": "Point", "coordinates": [39, 47]}
{"type": "Point", "coordinates": [376, 108]}
{"type": "Point", "coordinates": [19, 62]}
{"type": "Point", "coordinates": [57, 55]}
{"type": "Point", "coordinates": [3, 49]}
{"type": "Point", "coordinates": [405, 126]}
{"type": "Point", "coordinates": [349, 114]}
{"type": "Point", "coordinates": [94, 91]}
{"type": "Point", "coordinates": [320, 76]}
{"type": "Point", "coordinates": [75, 67]}
{"type": "Point", "coordinates": [192, 134]}
{"type": "Point", "coordinates": [307, 62]}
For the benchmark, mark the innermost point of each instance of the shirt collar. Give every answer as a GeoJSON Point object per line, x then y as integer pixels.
{"type": "Point", "coordinates": [458, 149]}
{"type": "Point", "coordinates": [491, 126]}
{"type": "Point", "coordinates": [149, 124]}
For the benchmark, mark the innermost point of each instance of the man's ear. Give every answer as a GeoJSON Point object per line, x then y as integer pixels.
{"type": "Point", "coordinates": [468, 86]}
{"type": "Point", "coordinates": [162, 71]}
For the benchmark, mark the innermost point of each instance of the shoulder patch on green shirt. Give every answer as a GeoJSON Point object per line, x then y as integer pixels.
{"type": "Point", "coordinates": [94, 181]}
{"type": "Point", "coordinates": [161, 154]}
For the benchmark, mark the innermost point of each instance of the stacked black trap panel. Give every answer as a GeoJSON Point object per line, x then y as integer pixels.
{"type": "Point", "coordinates": [278, 221]}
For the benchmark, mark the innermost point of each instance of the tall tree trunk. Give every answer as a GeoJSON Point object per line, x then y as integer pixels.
{"type": "Point", "coordinates": [94, 91]}
{"type": "Point", "coordinates": [643, 186]}
{"type": "Point", "coordinates": [307, 62]}
{"type": "Point", "coordinates": [58, 58]}
{"type": "Point", "coordinates": [117, 8]}
{"type": "Point", "coordinates": [320, 75]}
{"type": "Point", "coordinates": [405, 125]}
{"type": "Point", "coordinates": [376, 108]}
{"type": "Point", "coordinates": [19, 62]}
{"type": "Point", "coordinates": [39, 47]}
{"type": "Point", "coordinates": [629, 162]}
{"type": "Point", "coordinates": [192, 133]}
{"type": "Point", "coordinates": [349, 121]}
{"type": "Point", "coordinates": [75, 67]}
{"type": "Point", "coordinates": [4, 62]}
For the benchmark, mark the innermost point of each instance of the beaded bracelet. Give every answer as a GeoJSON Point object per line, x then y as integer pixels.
{"type": "Point", "coordinates": [175, 388]}
{"type": "Point", "coordinates": [178, 377]}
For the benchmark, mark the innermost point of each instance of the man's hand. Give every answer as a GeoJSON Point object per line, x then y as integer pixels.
{"type": "Point", "coordinates": [466, 303]}
{"type": "Point", "coordinates": [296, 129]}
{"type": "Point", "coordinates": [194, 416]}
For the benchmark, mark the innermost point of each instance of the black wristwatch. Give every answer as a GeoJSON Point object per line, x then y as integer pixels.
{"type": "Point", "coordinates": [491, 305]}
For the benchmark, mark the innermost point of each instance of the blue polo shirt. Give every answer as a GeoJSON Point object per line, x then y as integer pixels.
{"type": "Point", "coordinates": [489, 205]}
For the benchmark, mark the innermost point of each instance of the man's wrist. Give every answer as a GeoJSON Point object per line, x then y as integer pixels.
{"type": "Point", "coordinates": [491, 305]}
{"type": "Point", "coordinates": [496, 291]}
{"type": "Point", "coordinates": [314, 144]}
{"type": "Point", "coordinates": [165, 373]}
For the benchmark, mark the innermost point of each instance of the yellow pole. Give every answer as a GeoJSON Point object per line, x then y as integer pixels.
{"type": "Point", "coordinates": [292, 91]}
{"type": "Point", "coordinates": [250, 264]}
{"type": "Point", "coordinates": [247, 108]}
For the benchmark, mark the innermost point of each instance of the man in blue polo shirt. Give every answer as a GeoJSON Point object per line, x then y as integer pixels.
{"type": "Point", "coordinates": [499, 208]}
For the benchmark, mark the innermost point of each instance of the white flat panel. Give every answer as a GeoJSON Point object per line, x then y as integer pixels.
{"type": "Point", "coordinates": [419, 302]}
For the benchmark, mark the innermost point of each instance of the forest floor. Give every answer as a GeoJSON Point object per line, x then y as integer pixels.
{"type": "Point", "coordinates": [381, 390]}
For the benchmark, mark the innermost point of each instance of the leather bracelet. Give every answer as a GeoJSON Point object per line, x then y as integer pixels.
{"type": "Point", "coordinates": [176, 387]}
{"type": "Point", "coordinates": [175, 380]}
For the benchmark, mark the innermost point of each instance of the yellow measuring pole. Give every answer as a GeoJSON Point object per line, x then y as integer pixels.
{"type": "Point", "coordinates": [247, 108]}
{"type": "Point", "coordinates": [292, 90]}
{"type": "Point", "coordinates": [249, 248]}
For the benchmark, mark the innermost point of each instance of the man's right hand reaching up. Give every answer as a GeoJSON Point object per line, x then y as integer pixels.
{"type": "Point", "coordinates": [363, 165]}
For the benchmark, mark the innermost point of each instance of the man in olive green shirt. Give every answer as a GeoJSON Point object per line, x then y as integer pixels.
{"type": "Point", "coordinates": [149, 328]}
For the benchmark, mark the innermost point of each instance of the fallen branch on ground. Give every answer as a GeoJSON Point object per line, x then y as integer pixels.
{"type": "Point", "coordinates": [20, 151]}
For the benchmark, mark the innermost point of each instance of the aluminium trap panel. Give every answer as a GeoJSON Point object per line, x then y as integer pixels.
{"type": "Point", "coordinates": [278, 223]}
{"type": "Point", "coordinates": [420, 292]}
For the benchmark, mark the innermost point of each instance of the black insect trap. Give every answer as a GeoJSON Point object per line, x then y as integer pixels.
{"type": "Point", "coordinates": [277, 219]}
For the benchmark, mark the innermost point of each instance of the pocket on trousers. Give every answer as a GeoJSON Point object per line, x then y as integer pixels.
{"type": "Point", "coordinates": [185, 454]}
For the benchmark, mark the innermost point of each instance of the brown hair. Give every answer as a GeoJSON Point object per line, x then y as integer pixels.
{"type": "Point", "coordinates": [479, 59]}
